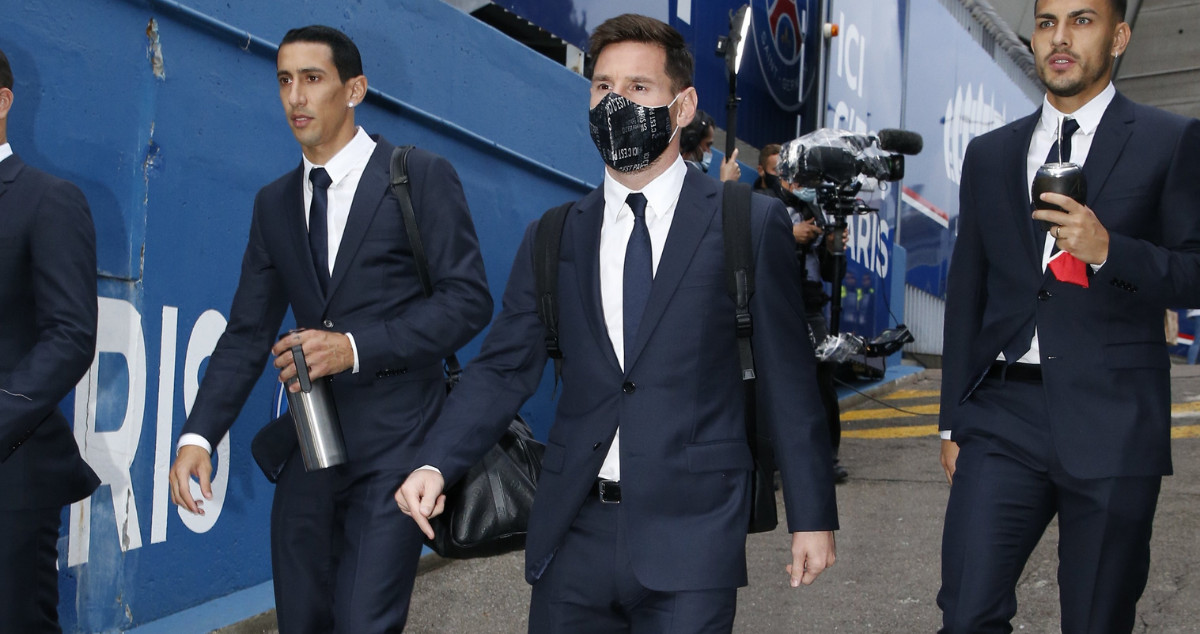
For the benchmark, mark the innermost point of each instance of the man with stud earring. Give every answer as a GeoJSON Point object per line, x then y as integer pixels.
{"type": "Point", "coordinates": [1056, 381]}
{"type": "Point", "coordinates": [327, 239]}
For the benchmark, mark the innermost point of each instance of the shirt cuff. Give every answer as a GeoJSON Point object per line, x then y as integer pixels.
{"type": "Point", "coordinates": [354, 349]}
{"type": "Point", "coordinates": [429, 468]}
{"type": "Point", "coordinates": [195, 440]}
{"type": "Point", "coordinates": [945, 433]}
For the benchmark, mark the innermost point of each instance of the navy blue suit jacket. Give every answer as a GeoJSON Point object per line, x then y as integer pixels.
{"type": "Point", "coordinates": [685, 462]}
{"type": "Point", "coordinates": [374, 294]}
{"type": "Point", "coordinates": [1104, 361]}
{"type": "Point", "coordinates": [48, 313]}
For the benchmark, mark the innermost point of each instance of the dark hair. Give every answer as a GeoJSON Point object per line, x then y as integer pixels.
{"type": "Point", "coordinates": [639, 28]}
{"type": "Point", "coordinates": [6, 78]}
{"type": "Point", "coordinates": [767, 152]}
{"type": "Point", "coordinates": [345, 54]}
{"type": "Point", "coordinates": [693, 133]}
{"type": "Point", "coordinates": [1118, 7]}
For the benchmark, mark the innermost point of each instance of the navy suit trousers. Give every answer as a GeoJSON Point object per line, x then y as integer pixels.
{"type": "Point", "coordinates": [1008, 485]}
{"type": "Point", "coordinates": [343, 556]}
{"type": "Point", "coordinates": [590, 588]}
{"type": "Point", "coordinates": [29, 583]}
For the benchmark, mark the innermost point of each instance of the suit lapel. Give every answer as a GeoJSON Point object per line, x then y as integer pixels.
{"type": "Point", "coordinates": [372, 188]}
{"type": "Point", "coordinates": [1115, 127]}
{"type": "Point", "coordinates": [1017, 175]}
{"type": "Point", "coordinates": [295, 219]}
{"type": "Point", "coordinates": [693, 216]}
{"type": "Point", "coordinates": [9, 168]}
{"type": "Point", "coordinates": [588, 216]}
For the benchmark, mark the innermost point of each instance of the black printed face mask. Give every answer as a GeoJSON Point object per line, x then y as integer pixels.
{"type": "Point", "coordinates": [630, 136]}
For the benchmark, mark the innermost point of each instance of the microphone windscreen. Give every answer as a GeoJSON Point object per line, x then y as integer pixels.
{"type": "Point", "coordinates": [902, 141]}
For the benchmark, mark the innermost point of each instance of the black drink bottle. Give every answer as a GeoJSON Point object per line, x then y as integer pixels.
{"type": "Point", "coordinates": [1060, 178]}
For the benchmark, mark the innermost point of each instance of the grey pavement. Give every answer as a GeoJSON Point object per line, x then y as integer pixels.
{"type": "Point", "coordinates": [886, 576]}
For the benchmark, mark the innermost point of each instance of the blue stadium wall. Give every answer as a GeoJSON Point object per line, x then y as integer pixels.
{"type": "Point", "coordinates": [168, 117]}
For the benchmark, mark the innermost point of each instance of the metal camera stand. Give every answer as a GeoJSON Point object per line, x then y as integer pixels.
{"type": "Point", "coordinates": [838, 202]}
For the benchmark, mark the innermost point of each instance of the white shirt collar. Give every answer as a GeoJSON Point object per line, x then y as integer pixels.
{"type": "Point", "coordinates": [356, 153]}
{"type": "Point", "coordinates": [5, 151]}
{"type": "Point", "coordinates": [1088, 116]}
{"type": "Point", "coordinates": [661, 193]}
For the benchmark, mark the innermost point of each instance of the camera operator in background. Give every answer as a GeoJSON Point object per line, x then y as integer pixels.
{"type": "Point", "coordinates": [817, 267]}
{"type": "Point", "coordinates": [695, 145]}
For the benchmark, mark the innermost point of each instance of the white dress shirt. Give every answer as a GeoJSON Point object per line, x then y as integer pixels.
{"type": "Point", "coordinates": [5, 151]}
{"type": "Point", "coordinates": [345, 169]}
{"type": "Point", "coordinates": [662, 195]}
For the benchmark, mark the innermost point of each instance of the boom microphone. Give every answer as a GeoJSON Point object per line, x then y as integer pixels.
{"type": "Point", "coordinates": [902, 141]}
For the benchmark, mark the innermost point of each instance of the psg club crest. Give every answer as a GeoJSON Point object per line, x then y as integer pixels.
{"type": "Point", "coordinates": [779, 36]}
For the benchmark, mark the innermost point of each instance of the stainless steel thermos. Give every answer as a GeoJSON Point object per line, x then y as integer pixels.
{"type": "Point", "coordinates": [317, 425]}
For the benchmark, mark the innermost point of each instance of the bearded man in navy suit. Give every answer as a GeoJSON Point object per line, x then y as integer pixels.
{"type": "Point", "coordinates": [1056, 380]}
{"type": "Point", "coordinates": [641, 513]}
{"type": "Point", "coordinates": [343, 557]}
{"type": "Point", "coordinates": [47, 342]}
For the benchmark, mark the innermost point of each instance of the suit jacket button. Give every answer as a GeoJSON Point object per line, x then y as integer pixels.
{"type": "Point", "coordinates": [596, 446]}
{"type": "Point", "coordinates": [629, 387]}
{"type": "Point", "coordinates": [328, 323]}
{"type": "Point", "coordinates": [1044, 295]}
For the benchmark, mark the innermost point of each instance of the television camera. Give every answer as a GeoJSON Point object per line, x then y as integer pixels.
{"type": "Point", "coordinates": [834, 163]}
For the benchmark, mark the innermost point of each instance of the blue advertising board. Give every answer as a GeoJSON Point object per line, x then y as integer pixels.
{"type": "Point", "coordinates": [864, 94]}
{"type": "Point", "coordinates": [956, 93]}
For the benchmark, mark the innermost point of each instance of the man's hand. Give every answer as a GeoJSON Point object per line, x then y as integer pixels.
{"type": "Point", "coordinates": [829, 241]}
{"type": "Point", "coordinates": [1079, 231]}
{"type": "Point", "coordinates": [191, 461]}
{"type": "Point", "coordinates": [806, 231]}
{"type": "Point", "coordinates": [421, 498]}
{"type": "Point", "coordinates": [812, 553]}
{"type": "Point", "coordinates": [949, 458]}
{"type": "Point", "coordinates": [730, 170]}
{"type": "Point", "coordinates": [325, 353]}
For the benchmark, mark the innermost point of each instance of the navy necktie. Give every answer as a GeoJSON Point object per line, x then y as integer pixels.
{"type": "Point", "coordinates": [318, 224]}
{"type": "Point", "coordinates": [639, 270]}
{"type": "Point", "coordinates": [1069, 128]}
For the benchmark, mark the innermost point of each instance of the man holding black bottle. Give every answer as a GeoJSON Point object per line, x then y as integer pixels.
{"type": "Point", "coordinates": [1055, 383]}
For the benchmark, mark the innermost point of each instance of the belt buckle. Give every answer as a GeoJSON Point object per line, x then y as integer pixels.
{"type": "Point", "coordinates": [610, 491]}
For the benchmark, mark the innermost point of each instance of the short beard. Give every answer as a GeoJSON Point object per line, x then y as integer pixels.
{"type": "Point", "coordinates": [1074, 87]}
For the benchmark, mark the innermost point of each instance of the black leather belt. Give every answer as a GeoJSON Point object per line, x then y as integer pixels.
{"type": "Point", "coordinates": [609, 491]}
{"type": "Point", "coordinates": [1029, 372]}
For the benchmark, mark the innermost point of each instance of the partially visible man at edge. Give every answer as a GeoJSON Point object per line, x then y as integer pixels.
{"type": "Point", "coordinates": [48, 311]}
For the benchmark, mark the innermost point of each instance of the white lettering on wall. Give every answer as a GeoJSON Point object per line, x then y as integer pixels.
{"type": "Point", "coordinates": [111, 453]}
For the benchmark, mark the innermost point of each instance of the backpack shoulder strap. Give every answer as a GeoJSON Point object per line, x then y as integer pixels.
{"type": "Point", "coordinates": [400, 188]}
{"type": "Point", "coordinates": [546, 243]}
{"type": "Point", "coordinates": [739, 266]}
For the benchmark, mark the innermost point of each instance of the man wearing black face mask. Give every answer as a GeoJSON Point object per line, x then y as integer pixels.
{"type": "Point", "coordinates": [641, 513]}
